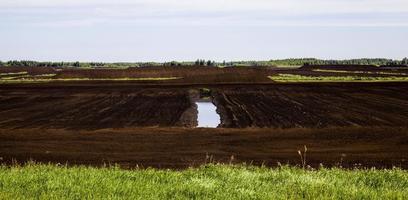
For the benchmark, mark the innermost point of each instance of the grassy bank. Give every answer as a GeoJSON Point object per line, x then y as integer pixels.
{"type": "Point", "coordinates": [300, 78]}
{"type": "Point", "coordinates": [208, 182]}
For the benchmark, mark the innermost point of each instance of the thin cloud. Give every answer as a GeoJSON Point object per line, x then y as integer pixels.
{"type": "Point", "coordinates": [68, 13]}
{"type": "Point", "coordinates": [280, 6]}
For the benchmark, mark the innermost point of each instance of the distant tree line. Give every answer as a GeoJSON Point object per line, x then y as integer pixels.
{"type": "Point", "coordinates": [363, 61]}
{"type": "Point", "coordinates": [405, 61]}
{"type": "Point", "coordinates": [200, 62]}
{"type": "Point", "coordinates": [314, 61]}
{"type": "Point", "coordinates": [28, 63]}
{"type": "Point", "coordinates": [203, 62]}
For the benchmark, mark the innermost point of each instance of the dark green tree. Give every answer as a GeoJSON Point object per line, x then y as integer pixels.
{"type": "Point", "coordinates": [202, 63]}
{"type": "Point", "coordinates": [209, 63]}
{"type": "Point", "coordinates": [76, 64]}
{"type": "Point", "coordinates": [404, 61]}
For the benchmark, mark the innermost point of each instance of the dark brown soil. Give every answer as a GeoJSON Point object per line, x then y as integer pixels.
{"type": "Point", "coordinates": [189, 75]}
{"type": "Point", "coordinates": [275, 105]}
{"type": "Point", "coordinates": [313, 105]}
{"type": "Point", "coordinates": [97, 122]}
{"type": "Point", "coordinates": [29, 70]}
{"type": "Point", "coordinates": [348, 70]}
{"type": "Point", "coordinates": [180, 148]}
{"type": "Point", "coordinates": [94, 107]}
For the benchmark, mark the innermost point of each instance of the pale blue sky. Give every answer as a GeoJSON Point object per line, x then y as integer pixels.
{"type": "Point", "coordinates": [165, 30]}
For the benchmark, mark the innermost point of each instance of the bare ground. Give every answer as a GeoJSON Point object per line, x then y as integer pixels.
{"type": "Point", "coordinates": [176, 148]}
{"type": "Point", "coordinates": [146, 123]}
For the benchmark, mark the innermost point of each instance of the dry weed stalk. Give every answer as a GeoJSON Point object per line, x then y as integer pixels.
{"type": "Point", "coordinates": [303, 156]}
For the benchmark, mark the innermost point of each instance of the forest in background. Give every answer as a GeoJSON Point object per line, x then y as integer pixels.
{"type": "Point", "coordinates": [295, 62]}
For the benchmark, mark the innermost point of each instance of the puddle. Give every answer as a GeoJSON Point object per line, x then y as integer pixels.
{"type": "Point", "coordinates": [207, 115]}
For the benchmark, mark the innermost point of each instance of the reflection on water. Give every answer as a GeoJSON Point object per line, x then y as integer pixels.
{"type": "Point", "coordinates": [207, 115]}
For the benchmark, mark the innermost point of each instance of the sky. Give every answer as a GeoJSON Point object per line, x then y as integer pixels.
{"type": "Point", "coordinates": [186, 30]}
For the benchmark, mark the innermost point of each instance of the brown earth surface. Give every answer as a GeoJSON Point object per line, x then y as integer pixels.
{"type": "Point", "coordinates": [95, 107]}
{"type": "Point", "coordinates": [349, 70]}
{"type": "Point", "coordinates": [200, 75]}
{"type": "Point", "coordinates": [146, 123]}
{"type": "Point", "coordinates": [313, 105]}
{"type": "Point", "coordinates": [274, 105]}
{"type": "Point", "coordinates": [195, 75]}
{"type": "Point", "coordinates": [29, 70]}
{"type": "Point", "coordinates": [187, 75]}
{"type": "Point", "coordinates": [178, 148]}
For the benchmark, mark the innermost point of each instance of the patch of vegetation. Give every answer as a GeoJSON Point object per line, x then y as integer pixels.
{"type": "Point", "coordinates": [36, 181]}
{"type": "Point", "coordinates": [23, 76]}
{"type": "Point", "coordinates": [301, 78]}
{"type": "Point", "coordinates": [360, 72]}
{"type": "Point", "coordinates": [205, 93]}
{"type": "Point", "coordinates": [45, 75]}
{"type": "Point", "coordinates": [13, 73]}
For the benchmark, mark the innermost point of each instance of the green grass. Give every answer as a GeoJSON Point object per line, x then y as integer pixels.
{"type": "Point", "coordinates": [289, 66]}
{"type": "Point", "coordinates": [300, 78]}
{"type": "Point", "coordinates": [13, 73]}
{"type": "Point", "coordinates": [35, 181]}
{"type": "Point", "coordinates": [27, 77]}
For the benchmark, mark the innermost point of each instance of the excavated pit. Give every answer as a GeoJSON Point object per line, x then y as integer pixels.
{"type": "Point", "coordinates": [206, 112]}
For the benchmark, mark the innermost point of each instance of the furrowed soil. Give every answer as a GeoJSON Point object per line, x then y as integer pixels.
{"type": "Point", "coordinates": [95, 107]}
{"type": "Point", "coordinates": [313, 105]}
{"type": "Point", "coordinates": [179, 148]}
{"type": "Point", "coordinates": [150, 123]}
